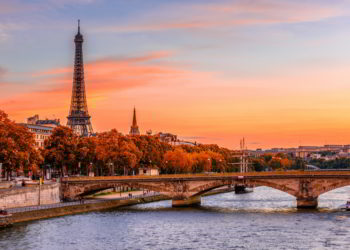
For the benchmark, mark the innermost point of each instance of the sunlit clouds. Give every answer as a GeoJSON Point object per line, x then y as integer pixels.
{"type": "Point", "coordinates": [274, 72]}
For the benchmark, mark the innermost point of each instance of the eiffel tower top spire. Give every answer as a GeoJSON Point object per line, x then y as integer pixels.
{"type": "Point", "coordinates": [134, 130]}
{"type": "Point", "coordinates": [79, 118]}
{"type": "Point", "coordinates": [78, 26]}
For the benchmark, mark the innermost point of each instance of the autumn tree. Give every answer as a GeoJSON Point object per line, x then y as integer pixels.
{"type": "Point", "coordinates": [201, 162]}
{"type": "Point", "coordinates": [86, 154]}
{"type": "Point", "coordinates": [116, 153]}
{"type": "Point", "coordinates": [61, 149]}
{"type": "Point", "coordinates": [177, 161]}
{"type": "Point", "coordinates": [152, 149]}
{"type": "Point", "coordinates": [218, 162]}
{"type": "Point", "coordinates": [17, 148]}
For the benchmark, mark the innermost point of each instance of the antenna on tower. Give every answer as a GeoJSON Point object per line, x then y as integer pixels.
{"type": "Point", "coordinates": [79, 26]}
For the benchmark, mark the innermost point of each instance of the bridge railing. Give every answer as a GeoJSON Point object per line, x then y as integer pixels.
{"type": "Point", "coordinates": [167, 176]}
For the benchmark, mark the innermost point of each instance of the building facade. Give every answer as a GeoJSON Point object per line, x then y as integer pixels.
{"type": "Point", "coordinates": [41, 133]}
{"type": "Point", "coordinates": [41, 129]}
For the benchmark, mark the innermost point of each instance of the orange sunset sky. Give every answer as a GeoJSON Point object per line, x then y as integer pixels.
{"type": "Point", "coordinates": [274, 72]}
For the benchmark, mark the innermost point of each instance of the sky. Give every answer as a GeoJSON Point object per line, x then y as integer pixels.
{"type": "Point", "coordinates": [276, 72]}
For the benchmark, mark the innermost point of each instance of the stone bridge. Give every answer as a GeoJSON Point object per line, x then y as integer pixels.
{"type": "Point", "coordinates": [187, 189]}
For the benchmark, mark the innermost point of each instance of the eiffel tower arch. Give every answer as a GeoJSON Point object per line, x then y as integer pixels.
{"type": "Point", "coordinates": [79, 118]}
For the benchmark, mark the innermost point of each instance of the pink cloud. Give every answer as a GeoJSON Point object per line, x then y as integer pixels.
{"type": "Point", "coordinates": [3, 71]}
{"type": "Point", "coordinates": [240, 13]}
{"type": "Point", "coordinates": [52, 88]}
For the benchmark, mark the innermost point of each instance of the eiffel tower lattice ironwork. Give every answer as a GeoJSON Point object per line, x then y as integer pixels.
{"type": "Point", "coordinates": [79, 118]}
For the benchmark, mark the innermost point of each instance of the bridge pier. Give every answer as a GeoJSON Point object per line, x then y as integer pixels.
{"type": "Point", "coordinates": [309, 202]}
{"type": "Point", "coordinates": [187, 202]}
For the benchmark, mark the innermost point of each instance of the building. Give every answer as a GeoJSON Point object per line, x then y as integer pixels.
{"type": "Point", "coordinates": [79, 118]}
{"type": "Point", "coordinates": [41, 129]}
{"type": "Point", "coordinates": [173, 139]}
{"type": "Point", "coordinates": [188, 143]}
{"type": "Point", "coordinates": [134, 129]}
{"type": "Point", "coordinates": [167, 137]}
{"type": "Point", "coordinates": [47, 122]}
{"type": "Point", "coordinates": [148, 171]}
{"type": "Point", "coordinates": [41, 133]}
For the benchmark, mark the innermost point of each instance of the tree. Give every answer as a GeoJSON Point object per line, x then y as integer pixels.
{"type": "Point", "coordinates": [258, 165]}
{"type": "Point", "coordinates": [152, 149]}
{"type": "Point", "coordinates": [298, 163]}
{"type": "Point", "coordinates": [17, 148]}
{"type": "Point", "coordinates": [177, 161]}
{"type": "Point", "coordinates": [202, 162]}
{"type": "Point", "coordinates": [86, 153]}
{"type": "Point", "coordinates": [116, 153]}
{"type": "Point", "coordinates": [61, 149]}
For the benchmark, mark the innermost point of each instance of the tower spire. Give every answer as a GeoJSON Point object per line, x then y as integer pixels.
{"type": "Point", "coordinates": [134, 129]}
{"type": "Point", "coordinates": [134, 122]}
{"type": "Point", "coordinates": [79, 118]}
{"type": "Point", "coordinates": [78, 26]}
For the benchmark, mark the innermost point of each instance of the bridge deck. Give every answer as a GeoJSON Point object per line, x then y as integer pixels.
{"type": "Point", "coordinates": [213, 176]}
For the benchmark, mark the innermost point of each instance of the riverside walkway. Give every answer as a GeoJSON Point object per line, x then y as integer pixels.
{"type": "Point", "coordinates": [74, 203]}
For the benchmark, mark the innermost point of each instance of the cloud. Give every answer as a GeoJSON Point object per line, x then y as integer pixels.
{"type": "Point", "coordinates": [24, 6]}
{"type": "Point", "coordinates": [232, 14]}
{"type": "Point", "coordinates": [103, 77]}
{"type": "Point", "coordinates": [111, 74]}
{"type": "Point", "coordinates": [3, 71]}
{"type": "Point", "coordinates": [272, 11]}
{"type": "Point", "coordinates": [254, 143]}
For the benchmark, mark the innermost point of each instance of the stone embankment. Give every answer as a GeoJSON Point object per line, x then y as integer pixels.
{"type": "Point", "coordinates": [37, 214]}
{"type": "Point", "coordinates": [6, 184]}
{"type": "Point", "coordinates": [23, 214]}
{"type": "Point", "coordinates": [29, 196]}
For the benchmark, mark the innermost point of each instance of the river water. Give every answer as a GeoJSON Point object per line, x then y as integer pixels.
{"type": "Point", "coordinates": [263, 219]}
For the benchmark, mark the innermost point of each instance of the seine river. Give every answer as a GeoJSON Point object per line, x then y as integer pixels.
{"type": "Point", "coordinates": [264, 219]}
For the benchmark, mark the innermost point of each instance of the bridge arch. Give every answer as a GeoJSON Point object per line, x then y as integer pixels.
{"type": "Point", "coordinates": [332, 186]}
{"type": "Point", "coordinates": [80, 190]}
{"type": "Point", "coordinates": [200, 190]}
{"type": "Point", "coordinates": [281, 187]}
{"type": "Point", "coordinates": [204, 188]}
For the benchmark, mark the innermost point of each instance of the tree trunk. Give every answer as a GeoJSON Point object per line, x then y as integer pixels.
{"type": "Point", "coordinates": [9, 175]}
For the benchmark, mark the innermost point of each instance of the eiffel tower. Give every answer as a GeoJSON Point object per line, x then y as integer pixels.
{"type": "Point", "coordinates": [79, 118]}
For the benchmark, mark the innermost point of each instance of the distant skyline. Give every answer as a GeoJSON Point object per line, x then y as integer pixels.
{"type": "Point", "coordinates": [275, 72]}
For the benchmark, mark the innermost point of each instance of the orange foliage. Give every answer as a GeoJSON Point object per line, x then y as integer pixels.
{"type": "Point", "coordinates": [16, 146]}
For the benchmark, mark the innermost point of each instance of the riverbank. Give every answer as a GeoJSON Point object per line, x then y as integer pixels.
{"type": "Point", "coordinates": [80, 208]}
{"type": "Point", "coordinates": [105, 202]}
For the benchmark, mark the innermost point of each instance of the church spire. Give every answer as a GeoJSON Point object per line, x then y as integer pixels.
{"type": "Point", "coordinates": [134, 122]}
{"type": "Point", "coordinates": [134, 129]}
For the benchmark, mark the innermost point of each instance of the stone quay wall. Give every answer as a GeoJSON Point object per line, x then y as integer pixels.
{"type": "Point", "coordinates": [30, 196]}
{"type": "Point", "coordinates": [81, 208]}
